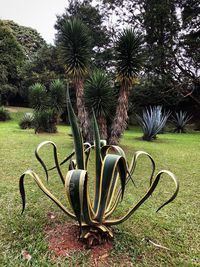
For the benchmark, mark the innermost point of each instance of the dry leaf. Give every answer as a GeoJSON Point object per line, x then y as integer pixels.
{"type": "Point", "coordinates": [26, 255]}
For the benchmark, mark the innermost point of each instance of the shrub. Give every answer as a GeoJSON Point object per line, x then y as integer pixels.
{"type": "Point", "coordinates": [38, 97]}
{"type": "Point", "coordinates": [4, 114]}
{"type": "Point", "coordinates": [152, 122]}
{"type": "Point", "coordinates": [44, 121]}
{"type": "Point", "coordinates": [113, 175]}
{"type": "Point", "coordinates": [180, 119]}
{"type": "Point", "coordinates": [27, 121]}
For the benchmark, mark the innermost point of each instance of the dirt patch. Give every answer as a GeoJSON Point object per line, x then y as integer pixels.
{"type": "Point", "coordinates": [63, 240]}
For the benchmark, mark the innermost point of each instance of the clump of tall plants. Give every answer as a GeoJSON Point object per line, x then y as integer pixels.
{"type": "Point", "coordinates": [113, 174]}
{"type": "Point", "coordinates": [47, 104]}
{"type": "Point", "coordinates": [180, 120]}
{"type": "Point", "coordinates": [4, 114]}
{"type": "Point", "coordinates": [152, 121]}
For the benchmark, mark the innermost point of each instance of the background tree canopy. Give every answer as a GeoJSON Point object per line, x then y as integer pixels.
{"type": "Point", "coordinates": [171, 31]}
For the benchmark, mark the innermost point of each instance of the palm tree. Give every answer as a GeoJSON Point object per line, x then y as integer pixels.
{"type": "Point", "coordinates": [75, 48]}
{"type": "Point", "coordinates": [129, 61]}
{"type": "Point", "coordinates": [100, 97]}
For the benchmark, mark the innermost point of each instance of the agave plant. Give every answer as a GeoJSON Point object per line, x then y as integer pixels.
{"type": "Point", "coordinates": [180, 119]}
{"type": "Point", "coordinates": [152, 122]}
{"type": "Point", "coordinates": [113, 175]}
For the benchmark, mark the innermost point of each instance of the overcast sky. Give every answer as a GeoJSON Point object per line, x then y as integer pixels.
{"type": "Point", "coordinates": [38, 14]}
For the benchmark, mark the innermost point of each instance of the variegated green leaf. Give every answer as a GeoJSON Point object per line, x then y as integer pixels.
{"type": "Point", "coordinates": [147, 195]}
{"type": "Point", "coordinates": [78, 139]}
{"type": "Point", "coordinates": [98, 161]}
{"type": "Point", "coordinates": [110, 164]}
{"type": "Point", "coordinates": [43, 188]}
{"type": "Point", "coordinates": [77, 192]}
{"type": "Point", "coordinates": [55, 159]}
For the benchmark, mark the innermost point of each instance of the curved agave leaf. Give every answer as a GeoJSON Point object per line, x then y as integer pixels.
{"type": "Point", "coordinates": [78, 139]}
{"type": "Point", "coordinates": [72, 165]}
{"type": "Point", "coordinates": [110, 164]}
{"type": "Point", "coordinates": [105, 150]}
{"type": "Point", "coordinates": [134, 162]}
{"type": "Point", "coordinates": [77, 192]}
{"type": "Point", "coordinates": [131, 170]}
{"type": "Point", "coordinates": [43, 188]}
{"type": "Point", "coordinates": [147, 195]}
{"type": "Point", "coordinates": [55, 158]}
{"type": "Point", "coordinates": [87, 147]}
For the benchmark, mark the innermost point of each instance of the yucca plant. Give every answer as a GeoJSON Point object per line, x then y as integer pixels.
{"type": "Point", "coordinates": [152, 121]}
{"type": "Point", "coordinates": [129, 59]}
{"type": "Point", "coordinates": [27, 121]}
{"type": "Point", "coordinates": [75, 50]}
{"type": "Point", "coordinates": [56, 96]}
{"type": "Point", "coordinates": [113, 175]}
{"type": "Point", "coordinates": [100, 97]}
{"type": "Point", "coordinates": [180, 119]}
{"type": "Point", "coordinates": [38, 96]}
{"type": "Point", "coordinates": [44, 121]}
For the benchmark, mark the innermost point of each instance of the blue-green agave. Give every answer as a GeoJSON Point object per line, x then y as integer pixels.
{"type": "Point", "coordinates": [113, 174]}
{"type": "Point", "coordinates": [152, 121]}
{"type": "Point", "coordinates": [180, 119]}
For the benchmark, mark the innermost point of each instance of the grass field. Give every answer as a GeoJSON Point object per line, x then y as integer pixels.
{"type": "Point", "coordinates": [176, 226]}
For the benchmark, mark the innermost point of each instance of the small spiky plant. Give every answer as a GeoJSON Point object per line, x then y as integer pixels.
{"type": "Point", "coordinates": [113, 175]}
{"type": "Point", "coordinates": [180, 119]}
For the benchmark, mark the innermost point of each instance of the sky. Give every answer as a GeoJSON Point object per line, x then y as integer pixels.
{"type": "Point", "coordinates": [37, 14]}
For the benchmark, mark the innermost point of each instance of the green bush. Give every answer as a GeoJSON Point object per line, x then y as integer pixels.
{"type": "Point", "coordinates": [4, 114]}
{"type": "Point", "coordinates": [27, 121]}
{"type": "Point", "coordinates": [44, 121]}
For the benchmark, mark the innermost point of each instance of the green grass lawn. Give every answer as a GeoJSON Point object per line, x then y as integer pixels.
{"type": "Point", "coordinates": [176, 226]}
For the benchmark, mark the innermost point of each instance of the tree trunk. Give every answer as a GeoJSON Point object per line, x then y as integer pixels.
{"type": "Point", "coordinates": [81, 110]}
{"type": "Point", "coordinates": [103, 127]}
{"type": "Point", "coordinates": [120, 121]}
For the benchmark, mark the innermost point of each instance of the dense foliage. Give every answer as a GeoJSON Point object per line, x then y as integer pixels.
{"type": "Point", "coordinates": [169, 51]}
{"type": "Point", "coordinates": [18, 46]}
{"type": "Point", "coordinates": [29, 39]}
{"type": "Point", "coordinates": [11, 59]}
